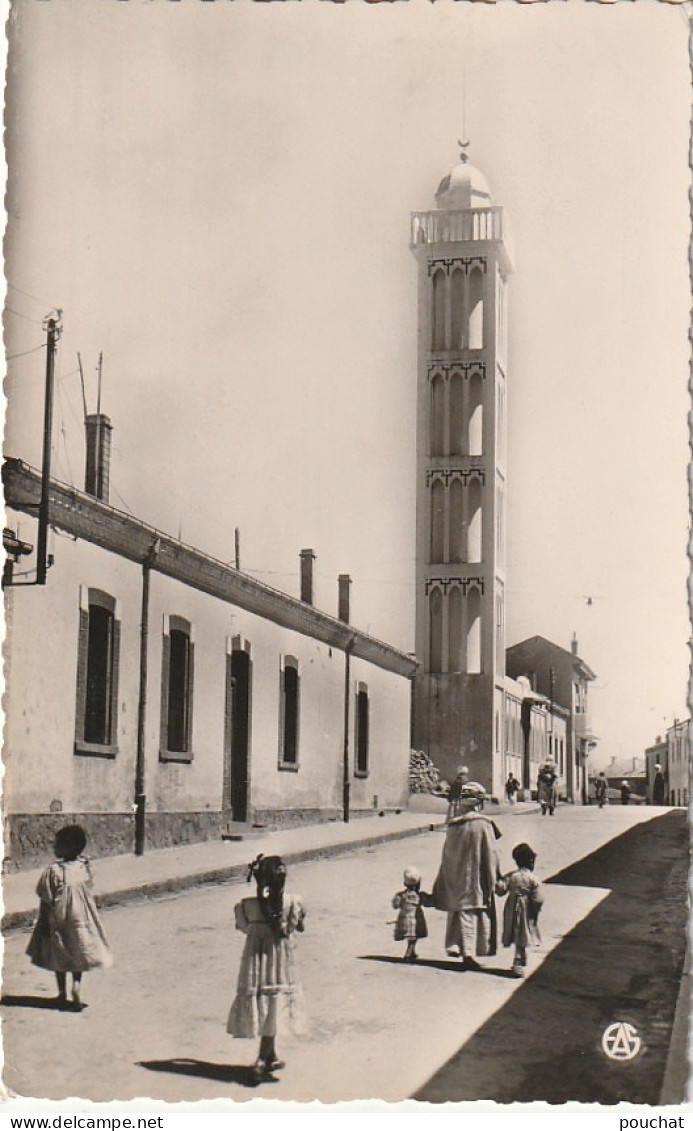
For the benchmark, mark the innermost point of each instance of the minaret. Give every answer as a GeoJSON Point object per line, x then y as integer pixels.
{"type": "Point", "coordinates": [458, 702]}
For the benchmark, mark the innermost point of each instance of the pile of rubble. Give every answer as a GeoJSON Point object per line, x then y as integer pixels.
{"type": "Point", "coordinates": [424, 777]}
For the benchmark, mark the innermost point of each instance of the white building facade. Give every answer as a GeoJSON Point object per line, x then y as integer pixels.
{"type": "Point", "coordinates": [149, 685]}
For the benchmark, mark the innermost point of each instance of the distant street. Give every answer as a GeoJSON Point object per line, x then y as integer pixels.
{"type": "Point", "coordinates": [155, 1023]}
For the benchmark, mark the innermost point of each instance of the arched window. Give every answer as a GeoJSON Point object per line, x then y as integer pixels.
{"type": "Point", "coordinates": [437, 416]}
{"type": "Point", "coordinates": [476, 416]}
{"type": "Point", "coordinates": [473, 631]}
{"type": "Point", "coordinates": [476, 310]}
{"type": "Point", "coordinates": [438, 311]}
{"type": "Point", "coordinates": [97, 674]}
{"type": "Point", "coordinates": [474, 528]}
{"type": "Point", "coordinates": [458, 436]}
{"type": "Point", "coordinates": [457, 547]}
{"type": "Point", "coordinates": [177, 672]}
{"type": "Point", "coordinates": [458, 325]}
{"type": "Point", "coordinates": [437, 521]}
{"type": "Point", "coordinates": [456, 658]}
{"type": "Point", "coordinates": [289, 713]}
{"type": "Point", "coordinates": [435, 613]}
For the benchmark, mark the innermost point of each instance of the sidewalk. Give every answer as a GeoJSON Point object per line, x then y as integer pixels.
{"type": "Point", "coordinates": [120, 879]}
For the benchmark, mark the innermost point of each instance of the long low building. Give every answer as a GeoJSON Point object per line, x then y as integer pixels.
{"type": "Point", "coordinates": [153, 691]}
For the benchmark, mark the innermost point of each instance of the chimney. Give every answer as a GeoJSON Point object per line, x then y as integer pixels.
{"type": "Point", "coordinates": [307, 559]}
{"type": "Point", "coordinates": [344, 582]}
{"type": "Point", "coordinates": [574, 644]}
{"type": "Point", "coordinates": [96, 479]}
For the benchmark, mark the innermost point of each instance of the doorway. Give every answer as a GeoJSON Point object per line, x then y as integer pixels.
{"type": "Point", "coordinates": [237, 732]}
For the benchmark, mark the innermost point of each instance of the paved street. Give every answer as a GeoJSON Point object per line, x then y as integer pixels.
{"type": "Point", "coordinates": [155, 1025]}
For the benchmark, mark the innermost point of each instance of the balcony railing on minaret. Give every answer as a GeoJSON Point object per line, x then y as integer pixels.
{"type": "Point", "coordinates": [461, 225]}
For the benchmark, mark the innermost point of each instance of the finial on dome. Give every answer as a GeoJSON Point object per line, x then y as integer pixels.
{"type": "Point", "coordinates": [464, 146]}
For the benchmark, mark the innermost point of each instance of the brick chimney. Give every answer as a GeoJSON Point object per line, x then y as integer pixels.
{"type": "Point", "coordinates": [307, 559]}
{"type": "Point", "coordinates": [574, 644]}
{"type": "Point", "coordinates": [98, 466]}
{"type": "Point", "coordinates": [344, 582]}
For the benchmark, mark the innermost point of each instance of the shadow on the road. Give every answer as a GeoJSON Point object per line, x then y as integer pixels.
{"type": "Point", "coordinates": [32, 1001]}
{"type": "Point", "coordinates": [621, 963]}
{"type": "Point", "coordinates": [226, 1073]}
{"type": "Point", "coordinates": [436, 964]}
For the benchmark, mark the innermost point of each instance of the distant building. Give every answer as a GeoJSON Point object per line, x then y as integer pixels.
{"type": "Point", "coordinates": [146, 676]}
{"type": "Point", "coordinates": [563, 679]}
{"type": "Point", "coordinates": [678, 739]}
{"type": "Point", "coordinates": [632, 771]}
{"type": "Point", "coordinates": [672, 752]}
{"type": "Point", "coordinates": [657, 755]}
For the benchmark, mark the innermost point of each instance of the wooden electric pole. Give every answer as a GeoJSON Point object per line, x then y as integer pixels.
{"type": "Point", "coordinates": [53, 329]}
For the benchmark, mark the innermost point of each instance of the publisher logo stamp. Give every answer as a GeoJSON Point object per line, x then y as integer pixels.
{"type": "Point", "coordinates": [621, 1041]}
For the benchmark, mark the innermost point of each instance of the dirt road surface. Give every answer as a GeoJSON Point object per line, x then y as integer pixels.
{"type": "Point", "coordinates": [155, 1022]}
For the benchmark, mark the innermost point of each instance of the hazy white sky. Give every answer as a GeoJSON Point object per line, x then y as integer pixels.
{"type": "Point", "coordinates": [218, 195]}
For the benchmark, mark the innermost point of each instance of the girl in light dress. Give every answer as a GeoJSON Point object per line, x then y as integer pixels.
{"type": "Point", "coordinates": [521, 912]}
{"type": "Point", "coordinates": [68, 937]}
{"type": "Point", "coordinates": [410, 924]}
{"type": "Point", "coordinates": [268, 1000]}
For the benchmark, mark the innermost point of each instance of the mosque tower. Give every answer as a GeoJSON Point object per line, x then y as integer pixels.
{"type": "Point", "coordinates": [464, 262]}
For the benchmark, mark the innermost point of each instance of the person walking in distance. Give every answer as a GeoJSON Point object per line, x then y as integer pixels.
{"type": "Point", "coordinates": [464, 886]}
{"type": "Point", "coordinates": [546, 787]}
{"type": "Point", "coordinates": [511, 787]}
{"type": "Point", "coordinates": [269, 999]}
{"type": "Point", "coordinates": [410, 925]}
{"type": "Point", "coordinates": [625, 793]}
{"type": "Point", "coordinates": [601, 789]}
{"type": "Point", "coordinates": [68, 937]}
{"type": "Point", "coordinates": [461, 779]}
{"type": "Point", "coordinates": [658, 786]}
{"type": "Point", "coordinates": [522, 907]}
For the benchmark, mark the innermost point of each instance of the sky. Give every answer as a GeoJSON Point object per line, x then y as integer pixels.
{"type": "Point", "coordinates": [218, 197]}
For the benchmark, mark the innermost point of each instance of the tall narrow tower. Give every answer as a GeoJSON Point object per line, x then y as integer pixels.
{"type": "Point", "coordinates": [464, 262]}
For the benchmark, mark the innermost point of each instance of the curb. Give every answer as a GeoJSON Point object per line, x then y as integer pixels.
{"type": "Point", "coordinates": [159, 889]}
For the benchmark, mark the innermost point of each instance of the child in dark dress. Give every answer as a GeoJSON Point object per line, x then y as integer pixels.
{"type": "Point", "coordinates": [521, 912]}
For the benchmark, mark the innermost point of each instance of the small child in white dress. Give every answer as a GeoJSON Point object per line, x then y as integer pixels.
{"type": "Point", "coordinates": [521, 912]}
{"type": "Point", "coordinates": [410, 924]}
{"type": "Point", "coordinates": [68, 937]}
{"type": "Point", "coordinates": [269, 998]}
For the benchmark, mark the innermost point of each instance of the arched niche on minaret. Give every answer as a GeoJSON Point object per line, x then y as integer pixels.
{"type": "Point", "coordinates": [458, 436]}
{"type": "Point", "coordinates": [437, 415]}
{"type": "Point", "coordinates": [457, 531]}
{"type": "Point", "coordinates": [435, 617]}
{"type": "Point", "coordinates": [458, 313]}
{"type": "Point", "coordinates": [473, 631]}
{"type": "Point", "coordinates": [474, 525]}
{"type": "Point", "coordinates": [438, 281]}
{"type": "Point", "coordinates": [475, 337]}
{"type": "Point", "coordinates": [476, 416]}
{"type": "Point", "coordinates": [437, 521]}
{"type": "Point", "coordinates": [456, 633]}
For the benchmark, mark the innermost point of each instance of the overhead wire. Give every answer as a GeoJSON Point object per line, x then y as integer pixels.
{"type": "Point", "coordinates": [27, 294]}
{"type": "Point", "coordinates": [24, 353]}
{"type": "Point", "coordinates": [18, 314]}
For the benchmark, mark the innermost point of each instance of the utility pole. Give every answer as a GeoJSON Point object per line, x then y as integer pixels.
{"type": "Point", "coordinates": [53, 328]}
{"type": "Point", "coordinates": [346, 781]}
{"type": "Point", "coordinates": [140, 763]}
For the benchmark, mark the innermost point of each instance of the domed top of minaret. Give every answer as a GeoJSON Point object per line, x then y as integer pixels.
{"type": "Point", "coordinates": [465, 186]}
